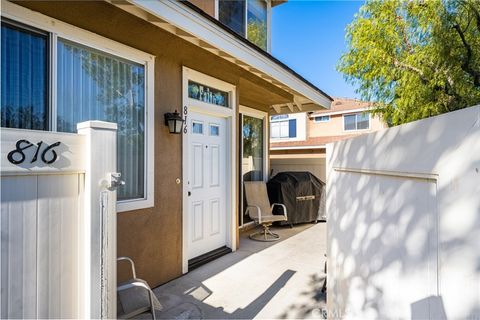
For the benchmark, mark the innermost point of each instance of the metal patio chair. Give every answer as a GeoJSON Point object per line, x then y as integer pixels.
{"type": "Point", "coordinates": [260, 210]}
{"type": "Point", "coordinates": [134, 296]}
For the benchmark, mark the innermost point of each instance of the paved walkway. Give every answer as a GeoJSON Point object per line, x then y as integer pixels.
{"type": "Point", "coordinates": [261, 280]}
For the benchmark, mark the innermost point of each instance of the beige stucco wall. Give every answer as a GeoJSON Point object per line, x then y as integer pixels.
{"type": "Point", "coordinates": [206, 5]}
{"type": "Point", "coordinates": [334, 127]}
{"type": "Point", "coordinates": [152, 237]}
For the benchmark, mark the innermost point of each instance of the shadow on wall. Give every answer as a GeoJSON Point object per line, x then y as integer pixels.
{"type": "Point", "coordinates": [403, 237]}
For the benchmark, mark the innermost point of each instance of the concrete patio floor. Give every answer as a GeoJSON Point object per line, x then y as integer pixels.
{"type": "Point", "coordinates": [274, 280]}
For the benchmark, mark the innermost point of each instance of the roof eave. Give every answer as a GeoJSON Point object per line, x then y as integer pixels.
{"type": "Point", "coordinates": [208, 33]}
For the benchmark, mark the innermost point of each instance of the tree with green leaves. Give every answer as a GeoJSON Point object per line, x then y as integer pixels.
{"type": "Point", "coordinates": [415, 59]}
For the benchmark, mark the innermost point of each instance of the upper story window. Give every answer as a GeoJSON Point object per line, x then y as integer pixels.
{"type": "Point", "coordinates": [248, 18]}
{"type": "Point", "coordinates": [257, 30]}
{"type": "Point", "coordinates": [84, 83]}
{"type": "Point", "coordinates": [357, 121]}
{"type": "Point", "coordinates": [283, 129]}
{"type": "Point", "coordinates": [232, 14]}
{"type": "Point", "coordinates": [321, 119]}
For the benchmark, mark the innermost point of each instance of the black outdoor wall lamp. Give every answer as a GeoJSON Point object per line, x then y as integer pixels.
{"type": "Point", "coordinates": [174, 122]}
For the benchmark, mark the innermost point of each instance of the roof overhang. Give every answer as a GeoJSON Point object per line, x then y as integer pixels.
{"type": "Point", "coordinates": [187, 23]}
{"type": "Point", "coordinates": [278, 2]}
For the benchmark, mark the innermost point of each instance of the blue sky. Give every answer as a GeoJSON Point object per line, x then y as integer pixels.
{"type": "Point", "coordinates": [309, 36]}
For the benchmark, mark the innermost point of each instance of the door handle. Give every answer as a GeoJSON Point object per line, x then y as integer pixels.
{"type": "Point", "coordinates": [189, 193]}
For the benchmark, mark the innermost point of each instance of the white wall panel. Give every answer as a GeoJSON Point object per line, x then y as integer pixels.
{"type": "Point", "coordinates": [40, 246]}
{"type": "Point", "coordinates": [58, 246]}
{"type": "Point", "coordinates": [19, 252]}
{"type": "Point", "coordinates": [403, 208]}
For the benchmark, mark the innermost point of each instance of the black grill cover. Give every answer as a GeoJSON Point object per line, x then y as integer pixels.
{"type": "Point", "coordinates": [301, 192]}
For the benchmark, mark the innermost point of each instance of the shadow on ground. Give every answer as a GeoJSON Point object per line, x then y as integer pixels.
{"type": "Point", "coordinates": [260, 280]}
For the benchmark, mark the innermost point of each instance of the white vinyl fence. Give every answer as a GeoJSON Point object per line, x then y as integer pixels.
{"type": "Point", "coordinates": [58, 244]}
{"type": "Point", "coordinates": [403, 209]}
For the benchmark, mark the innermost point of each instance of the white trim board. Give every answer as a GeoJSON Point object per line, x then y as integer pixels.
{"type": "Point", "coordinates": [231, 115]}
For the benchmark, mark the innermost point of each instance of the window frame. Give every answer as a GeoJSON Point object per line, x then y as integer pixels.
{"type": "Point", "coordinates": [269, 10]}
{"type": "Point", "coordinates": [254, 113]}
{"type": "Point", "coordinates": [58, 29]}
{"type": "Point", "coordinates": [280, 122]}
{"type": "Point", "coordinates": [268, 22]}
{"type": "Point", "coordinates": [356, 121]}
{"type": "Point", "coordinates": [321, 121]}
{"type": "Point", "coordinates": [194, 122]}
{"type": "Point", "coordinates": [23, 27]}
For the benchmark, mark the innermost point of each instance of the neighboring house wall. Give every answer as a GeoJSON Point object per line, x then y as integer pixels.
{"type": "Point", "coordinates": [152, 236]}
{"type": "Point", "coordinates": [296, 122]}
{"type": "Point", "coordinates": [314, 165]}
{"type": "Point", "coordinates": [403, 231]}
{"type": "Point", "coordinates": [295, 159]}
{"type": "Point", "coordinates": [335, 127]}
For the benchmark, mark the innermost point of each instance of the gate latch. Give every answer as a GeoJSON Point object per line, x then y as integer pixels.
{"type": "Point", "coordinates": [115, 181]}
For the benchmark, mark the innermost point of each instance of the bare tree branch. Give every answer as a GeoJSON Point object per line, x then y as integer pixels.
{"type": "Point", "coordinates": [406, 42]}
{"type": "Point", "coordinates": [466, 65]}
{"type": "Point", "coordinates": [476, 13]}
{"type": "Point", "coordinates": [408, 67]}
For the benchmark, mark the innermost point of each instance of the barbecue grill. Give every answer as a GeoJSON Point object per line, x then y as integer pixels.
{"type": "Point", "coordinates": [301, 192]}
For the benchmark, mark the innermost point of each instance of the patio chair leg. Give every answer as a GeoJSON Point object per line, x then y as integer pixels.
{"type": "Point", "coordinates": [264, 235]}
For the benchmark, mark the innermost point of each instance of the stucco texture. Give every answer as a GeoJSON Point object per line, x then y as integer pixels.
{"type": "Point", "coordinates": [152, 237]}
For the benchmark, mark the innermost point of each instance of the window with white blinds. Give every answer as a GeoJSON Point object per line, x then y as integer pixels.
{"type": "Point", "coordinates": [92, 85]}
{"type": "Point", "coordinates": [89, 84]}
{"type": "Point", "coordinates": [24, 77]}
{"type": "Point", "coordinates": [283, 129]}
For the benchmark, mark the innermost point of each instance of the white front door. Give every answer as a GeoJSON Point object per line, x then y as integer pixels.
{"type": "Point", "coordinates": [207, 187]}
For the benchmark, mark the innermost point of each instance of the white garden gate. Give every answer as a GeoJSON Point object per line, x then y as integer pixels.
{"type": "Point", "coordinates": [58, 224]}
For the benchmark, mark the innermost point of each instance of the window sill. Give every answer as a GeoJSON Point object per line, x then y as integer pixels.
{"type": "Point", "coordinates": [131, 205]}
